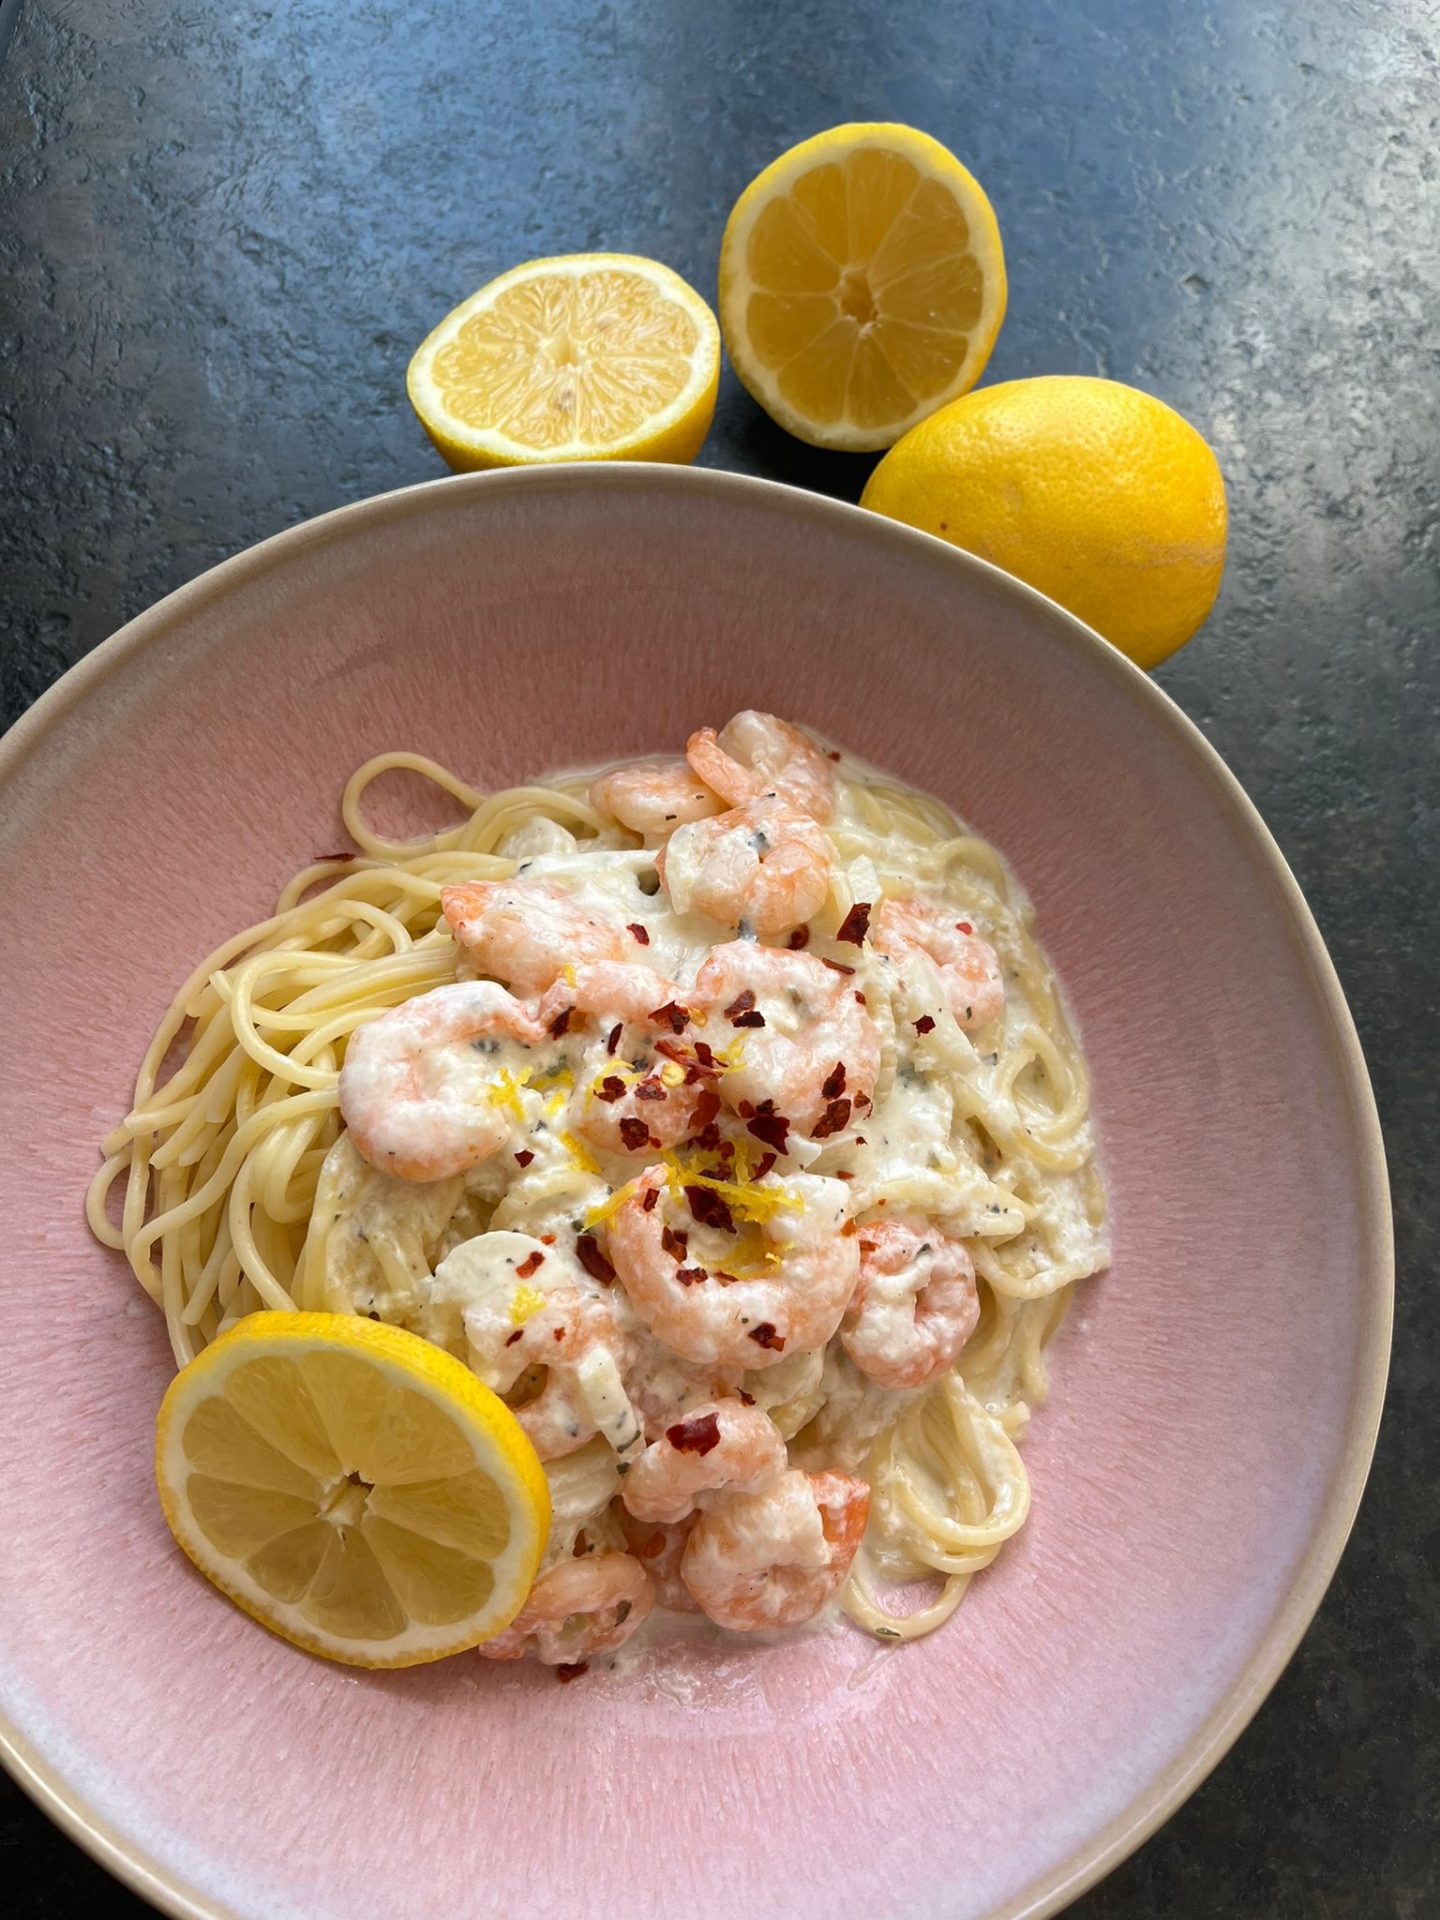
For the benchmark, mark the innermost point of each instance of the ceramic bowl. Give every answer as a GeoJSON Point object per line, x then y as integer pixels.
{"type": "Point", "coordinates": [1215, 1395]}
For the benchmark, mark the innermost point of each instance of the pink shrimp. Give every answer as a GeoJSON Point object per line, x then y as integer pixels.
{"type": "Point", "coordinates": [526, 932]}
{"type": "Point", "coordinates": [915, 1306]}
{"type": "Point", "coordinates": [659, 1550]}
{"type": "Point", "coordinates": [904, 931]}
{"type": "Point", "coordinates": [577, 1610]}
{"type": "Point", "coordinates": [726, 1445]}
{"type": "Point", "coordinates": [772, 1559]}
{"type": "Point", "coordinates": [764, 866]}
{"type": "Point", "coordinates": [756, 754]}
{"type": "Point", "coordinates": [627, 1099]}
{"type": "Point", "coordinates": [414, 1084]}
{"type": "Point", "coordinates": [796, 1032]}
{"type": "Point", "coordinates": [527, 1306]}
{"type": "Point", "coordinates": [712, 1318]}
{"type": "Point", "coordinates": [654, 796]}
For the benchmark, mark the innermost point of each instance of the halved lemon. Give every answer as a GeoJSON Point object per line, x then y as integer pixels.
{"type": "Point", "coordinates": [862, 284]}
{"type": "Point", "coordinates": [353, 1487]}
{"type": "Point", "coordinates": [590, 356]}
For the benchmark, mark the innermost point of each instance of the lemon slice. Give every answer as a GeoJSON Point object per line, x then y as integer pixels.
{"type": "Point", "coordinates": [862, 284]}
{"type": "Point", "coordinates": [353, 1487]}
{"type": "Point", "coordinates": [592, 356]}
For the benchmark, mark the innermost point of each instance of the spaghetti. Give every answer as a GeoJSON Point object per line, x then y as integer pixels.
{"type": "Point", "coordinates": [231, 1185]}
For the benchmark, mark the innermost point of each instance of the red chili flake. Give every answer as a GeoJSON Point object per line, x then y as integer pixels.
{"type": "Point", "coordinates": [587, 1252]}
{"type": "Point", "coordinates": [860, 1000]}
{"type": "Point", "coordinates": [765, 1336]}
{"type": "Point", "coordinates": [672, 1015]}
{"type": "Point", "coordinates": [726, 1279]}
{"type": "Point", "coordinates": [925, 1024]}
{"type": "Point", "coordinates": [707, 1105]}
{"type": "Point", "coordinates": [561, 1023]}
{"type": "Point", "coordinates": [767, 1125]}
{"type": "Point", "coordinates": [651, 1089]}
{"type": "Point", "coordinates": [639, 932]}
{"type": "Point", "coordinates": [748, 1398]}
{"type": "Point", "coordinates": [741, 1011]}
{"type": "Point", "coordinates": [710, 1209]}
{"type": "Point", "coordinates": [532, 1263]}
{"type": "Point", "coordinates": [835, 966]}
{"type": "Point", "coordinates": [860, 1140]}
{"type": "Point", "coordinates": [547, 1239]}
{"type": "Point", "coordinates": [704, 1054]}
{"type": "Point", "coordinates": [610, 1088]}
{"type": "Point", "coordinates": [799, 940]}
{"type": "Point", "coordinates": [746, 1109]}
{"type": "Point", "coordinates": [524, 1157]}
{"type": "Point", "coordinates": [559, 1333]}
{"type": "Point", "coordinates": [700, 1435]}
{"type": "Point", "coordinates": [634, 1133]}
{"type": "Point", "coordinates": [832, 753]}
{"type": "Point", "coordinates": [612, 1039]}
{"type": "Point", "coordinates": [767, 1161]}
{"type": "Point", "coordinates": [853, 928]}
{"type": "Point", "coordinates": [834, 1083]}
{"type": "Point", "coordinates": [963, 926]}
{"type": "Point", "coordinates": [701, 1063]}
{"type": "Point", "coordinates": [691, 1276]}
{"type": "Point", "coordinates": [835, 1117]}
{"type": "Point", "coordinates": [845, 1174]}
{"type": "Point", "coordinates": [674, 1243]}
{"type": "Point", "coordinates": [708, 1138]}
{"type": "Point", "coordinates": [569, 1670]}
{"type": "Point", "coordinates": [511, 1338]}
{"type": "Point", "coordinates": [648, 1199]}
{"type": "Point", "coordinates": [862, 1100]}
{"type": "Point", "coordinates": [849, 1228]}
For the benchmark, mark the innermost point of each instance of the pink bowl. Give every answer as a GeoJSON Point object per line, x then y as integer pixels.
{"type": "Point", "coordinates": [1216, 1396]}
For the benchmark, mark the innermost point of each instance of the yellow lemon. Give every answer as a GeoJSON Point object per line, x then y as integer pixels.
{"type": "Point", "coordinates": [353, 1487]}
{"type": "Point", "coordinates": [591, 356]}
{"type": "Point", "coordinates": [1100, 496]}
{"type": "Point", "coordinates": [862, 284]}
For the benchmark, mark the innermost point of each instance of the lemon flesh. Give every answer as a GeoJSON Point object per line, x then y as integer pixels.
{"type": "Point", "coordinates": [1099, 495]}
{"type": "Point", "coordinates": [862, 284]}
{"type": "Point", "coordinates": [356, 1489]}
{"type": "Point", "coordinates": [598, 356]}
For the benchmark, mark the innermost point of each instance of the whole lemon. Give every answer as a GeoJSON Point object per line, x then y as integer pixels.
{"type": "Point", "coordinates": [1100, 496]}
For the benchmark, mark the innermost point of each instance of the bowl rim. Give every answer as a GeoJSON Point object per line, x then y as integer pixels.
{"type": "Point", "coordinates": [1096, 1855]}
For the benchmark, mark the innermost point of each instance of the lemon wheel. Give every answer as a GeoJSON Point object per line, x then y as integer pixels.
{"type": "Point", "coordinates": [862, 284]}
{"type": "Point", "coordinates": [590, 356]}
{"type": "Point", "coordinates": [356, 1489]}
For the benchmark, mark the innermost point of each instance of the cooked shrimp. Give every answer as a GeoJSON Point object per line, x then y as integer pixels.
{"type": "Point", "coordinates": [654, 797]}
{"type": "Point", "coordinates": [525, 1305]}
{"type": "Point", "coordinates": [659, 1550]}
{"type": "Point", "coordinates": [764, 866]}
{"type": "Point", "coordinates": [915, 1306]}
{"type": "Point", "coordinates": [712, 1318]}
{"type": "Point", "coordinates": [526, 932]}
{"type": "Point", "coordinates": [969, 971]}
{"type": "Point", "coordinates": [773, 1559]}
{"type": "Point", "coordinates": [756, 754]}
{"type": "Point", "coordinates": [577, 1610]}
{"type": "Point", "coordinates": [414, 1084]}
{"type": "Point", "coordinates": [724, 1446]}
{"type": "Point", "coordinates": [795, 1032]}
{"type": "Point", "coordinates": [627, 1099]}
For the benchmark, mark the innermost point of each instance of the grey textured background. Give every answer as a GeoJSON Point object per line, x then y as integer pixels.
{"type": "Point", "coordinates": [222, 231]}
